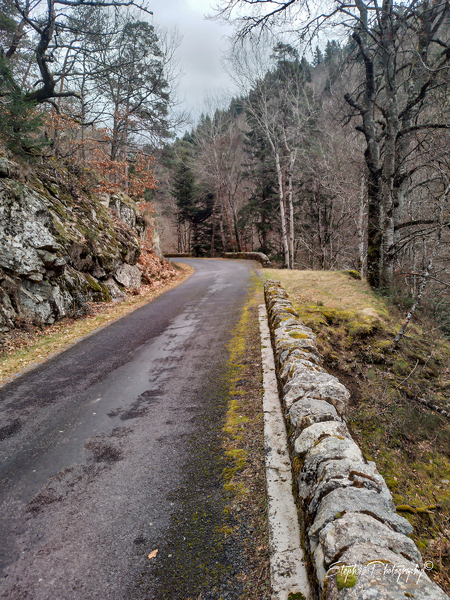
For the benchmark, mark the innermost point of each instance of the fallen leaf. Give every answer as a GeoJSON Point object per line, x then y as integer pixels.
{"type": "Point", "coordinates": [153, 554]}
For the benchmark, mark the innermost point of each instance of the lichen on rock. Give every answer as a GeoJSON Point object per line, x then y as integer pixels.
{"type": "Point", "coordinates": [61, 246]}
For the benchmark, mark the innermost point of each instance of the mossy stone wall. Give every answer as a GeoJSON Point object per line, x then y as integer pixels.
{"type": "Point", "coordinates": [356, 543]}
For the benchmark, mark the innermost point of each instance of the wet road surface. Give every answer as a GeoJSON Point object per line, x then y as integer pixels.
{"type": "Point", "coordinates": [113, 449]}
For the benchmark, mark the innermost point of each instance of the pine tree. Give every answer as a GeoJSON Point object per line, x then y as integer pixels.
{"type": "Point", "coordinates": [194, 206]}
{"type": "Point", "coordinates": [318, 57]}
{"type": "Point", "coordinates": [19, 121]}
{"type": "Point", "coordinates": [332, 53]}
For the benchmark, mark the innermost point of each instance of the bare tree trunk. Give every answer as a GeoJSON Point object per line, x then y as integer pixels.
{"type": "Point", "coordinates": [125, 145]}
{"type": "Point", "coordinates": [179, 238]}
{"type": "Point", "coordinates": [282, 211]}
{"type": "Point", "coordinates": [222, 230]}
{"type": "Point", "coordinates": [125, 156]}
{"type": "Point", "coordinates": [27, 72]}
{"type": "Point", "coordinates": [291, 209]}
{"type": "Point", "coordinates": [427, 273]}
{"type": "Point", "coordinates": [235, 225]}
{"type": "Point", "coordinates": [213, 236]}
{"type": "Point", "coordinates": [228, 221]}
{"type": "Point", "coordinates": [83, 127]}
{"type": "Point", "coordinates": [422, 287]}
{"type": "Point", "coordinates": [115, 133]}
{"type": "Point", "coordinates": [372, 152]}
{"type": "Point", "coordinates": [362, 227]}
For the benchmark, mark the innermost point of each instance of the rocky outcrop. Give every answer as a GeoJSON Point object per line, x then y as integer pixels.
{"type": "Point", "coordinates": [356, 543]}
{"type": "Point", "coordinates": [60, 246]}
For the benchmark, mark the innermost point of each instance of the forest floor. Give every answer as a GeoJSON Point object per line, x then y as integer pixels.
{"type": "Point", "coordinates": [409, 441]}
{"type": "Point", "coordinates": [25, 347]}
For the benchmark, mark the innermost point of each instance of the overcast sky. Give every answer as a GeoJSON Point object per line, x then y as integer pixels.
{"type": "Point", "coordinates": [201, 48]}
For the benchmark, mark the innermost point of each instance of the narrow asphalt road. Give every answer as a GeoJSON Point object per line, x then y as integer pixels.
{"type": "Point", "coordinates": [113, 449]}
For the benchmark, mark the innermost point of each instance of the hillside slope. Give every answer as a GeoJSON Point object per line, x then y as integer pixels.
{"type": "Point", "coordinates": [408, 440]}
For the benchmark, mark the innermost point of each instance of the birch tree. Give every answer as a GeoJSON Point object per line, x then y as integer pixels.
{"type": "Point", "coordinates": [283, 109]}
{"type": "Point", "coordinates": [401, 53]}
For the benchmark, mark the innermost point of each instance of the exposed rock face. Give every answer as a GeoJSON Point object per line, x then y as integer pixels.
{"type": "Point", "coordinates": [8, 168]}
{"type": "Point", "coordinates": [60, 246]}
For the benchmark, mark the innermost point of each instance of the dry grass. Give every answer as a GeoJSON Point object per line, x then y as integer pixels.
{"type": "Point", "coordinates": [332, 288]}
{"type": "Point", "coordinates": [23, 350]}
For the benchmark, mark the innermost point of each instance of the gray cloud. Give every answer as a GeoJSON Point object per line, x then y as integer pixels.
{"type": "Point", "coordinates": [201, 48]}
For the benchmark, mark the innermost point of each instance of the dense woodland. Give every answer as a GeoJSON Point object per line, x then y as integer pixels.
{"type": "Point", "coordinates": [88, 83]}
{"type": "Point", "coordinates": [333, 155]}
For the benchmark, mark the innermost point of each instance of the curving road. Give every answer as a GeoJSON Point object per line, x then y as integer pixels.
{"type": "Point", "coordinates": [113, 449]}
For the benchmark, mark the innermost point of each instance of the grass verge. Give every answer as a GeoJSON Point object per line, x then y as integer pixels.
{"type": "Point", "coordinates": [244, 476]}
{"type": "Point", "coordinates": [409, 441]}
{"type": "Point", "coordinates": [24, 349]}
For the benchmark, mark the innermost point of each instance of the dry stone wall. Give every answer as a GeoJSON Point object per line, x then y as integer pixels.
{"type": "Point", "coordinates": [259, 256]}
{"type": "Point", "coordinates": [358, 547]}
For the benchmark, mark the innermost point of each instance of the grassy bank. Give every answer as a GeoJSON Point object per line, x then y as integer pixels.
{"type": "Point", "coordinates": [409, 441]}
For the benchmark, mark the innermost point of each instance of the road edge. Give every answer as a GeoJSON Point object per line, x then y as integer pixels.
{"type": "Point", "coordinates": [37, 363]}
{"type": "Point", "coordinates": [287, 562]}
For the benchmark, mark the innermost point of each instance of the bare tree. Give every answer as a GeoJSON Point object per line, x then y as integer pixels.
{"type": "Point", "coordinates": [401, 53]}
{"type": "Point", "coordinates": [219, 163]}
{"type": "Point", "coordinates": [49, 21]}
{"type": "Point", "coordinates": [281, 106]}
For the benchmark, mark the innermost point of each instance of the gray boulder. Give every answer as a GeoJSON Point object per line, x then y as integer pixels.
{"type": "Point", "coordinates": [114, 290]}
{"type": "Point", "coordinates": [129, 276]}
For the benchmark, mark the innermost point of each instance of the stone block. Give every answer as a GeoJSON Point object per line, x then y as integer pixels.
{"type": "Point", "coordinates": [350, 499]}
{"type": "Point", "coordinates": [326, 450]}
{"type": "Point", "coordinates": [320, 386]}
{"type": "Point", "coordinates": [359, 528]}
{"type": "Point", "coordinates": [292, 344]}
{"type": "Point", "coordinates": [379, 574]}
{"type": "Point", "coordinates": [307, 411]}
{"type": "Point", "coordinates": [297, 353]}
{"type": "Point", "coordinates": [343, 473]}
{"type": "Point", "coordinates": [316, 432]}
{"type": "Point", "coordinates": [291, 366]}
